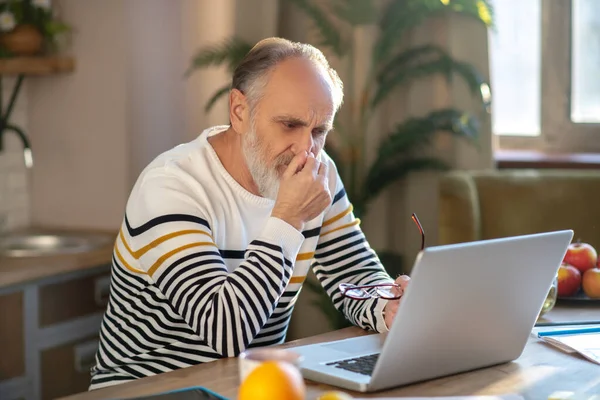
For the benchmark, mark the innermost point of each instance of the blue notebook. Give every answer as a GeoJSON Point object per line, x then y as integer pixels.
{"type": "Point", "coordinates": [582, 340]}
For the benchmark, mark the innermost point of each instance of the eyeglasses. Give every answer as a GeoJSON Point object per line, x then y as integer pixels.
{"type": "Point", "coordinates": [386, 291]}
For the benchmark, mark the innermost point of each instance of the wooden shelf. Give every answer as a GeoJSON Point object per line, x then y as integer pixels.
{"type": "Point", "coordinates": [36, 65]}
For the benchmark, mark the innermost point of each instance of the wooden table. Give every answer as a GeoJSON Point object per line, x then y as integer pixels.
{"type": "Point", "coordinates": [540, 371]}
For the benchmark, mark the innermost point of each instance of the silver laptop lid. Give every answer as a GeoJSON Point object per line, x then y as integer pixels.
{"type": "Point", "coordinates": [469, 305]}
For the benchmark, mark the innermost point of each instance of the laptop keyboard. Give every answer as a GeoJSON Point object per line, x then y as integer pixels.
{"type": "Point", "coordinates": [362, 365]}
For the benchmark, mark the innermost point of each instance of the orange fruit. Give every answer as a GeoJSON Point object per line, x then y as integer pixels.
{"type": "Point", "coordinates": [273, 380]}
{"type": "Point", "coordinates": [335, 395]}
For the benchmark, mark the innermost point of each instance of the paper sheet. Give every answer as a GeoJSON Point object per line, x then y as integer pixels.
{"type": "Point", "coordinates": [587, 344]}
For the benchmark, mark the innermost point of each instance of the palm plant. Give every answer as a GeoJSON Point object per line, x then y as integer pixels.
{"type": "Point", "coordinates": [392, 67]}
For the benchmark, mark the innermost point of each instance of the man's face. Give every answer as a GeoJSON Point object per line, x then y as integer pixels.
{"type": "Point", "coordinates": [294, 115]}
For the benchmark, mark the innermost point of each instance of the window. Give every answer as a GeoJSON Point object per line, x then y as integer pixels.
{"type": "Point", "coordinates": [585, 62]}
{"type": "Point", "coordinates": [545, 75]}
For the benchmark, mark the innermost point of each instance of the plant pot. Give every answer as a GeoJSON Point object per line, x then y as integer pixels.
{"type": "Point", "coordinates": [24, 40]}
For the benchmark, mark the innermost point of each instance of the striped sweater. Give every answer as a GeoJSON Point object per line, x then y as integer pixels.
{"type": "Point", "coordinates": [202, 271]}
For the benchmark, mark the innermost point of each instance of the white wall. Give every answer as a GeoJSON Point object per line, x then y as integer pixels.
{"type": "Point", "coordinates": [95, 129]}
{"type": "Point", "coordinates": [79, 123]}
{"type": "Point", "coordinates": [155, 84]}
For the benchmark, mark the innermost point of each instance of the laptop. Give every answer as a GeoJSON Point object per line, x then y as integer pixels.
{"type": "Point", "coordinates": [468, 306]}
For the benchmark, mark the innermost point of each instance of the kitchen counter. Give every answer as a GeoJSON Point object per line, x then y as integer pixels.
{"type": "Point", "coordinates": [52, 307]}
{"type": "Point", "coordinates": [20, 270]}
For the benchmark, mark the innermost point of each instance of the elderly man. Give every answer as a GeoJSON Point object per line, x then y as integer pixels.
{"type": "Point", "coordinates": [219, 233]}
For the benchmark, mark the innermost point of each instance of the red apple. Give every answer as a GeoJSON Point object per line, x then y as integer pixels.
{"type": "Point", "coordinates": [591, 283]}
{"type": "Point", "coordinates": [582, 256]}
{"type": "Point", "coordinates": [569, 280]}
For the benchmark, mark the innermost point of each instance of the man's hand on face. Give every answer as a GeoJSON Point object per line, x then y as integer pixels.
{"type": "Point", "coordinates": [392, 305]}
{"type": "Point", "coordinates": [303, 191]}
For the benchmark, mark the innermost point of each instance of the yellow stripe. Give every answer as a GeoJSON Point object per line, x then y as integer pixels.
{"type": "Point", "coordinates": [305, 256]}
{"type": "Point", "coordinates": [137, 254]}
{"type": "Point", "coordinates": [162, 259]}
{"type": "Point", "coordinates": [356, 222]}
{"type": "Point", "coordinates": [297, 279]}
{"type": "Point", "coordinates": [129, 267]}
{"type": "Point", "coordinates": [339, 216]}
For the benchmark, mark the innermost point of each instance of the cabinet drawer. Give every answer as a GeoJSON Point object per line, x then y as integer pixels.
{"type": "Point", "coordinates": [75, 360]}
{"type": "Point", "coordinates": [12, 358]}
{"type": "Point", "coordinates": [63, 301]}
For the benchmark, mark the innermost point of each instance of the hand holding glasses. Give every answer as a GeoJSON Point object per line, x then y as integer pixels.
{"type": "Point", "coordinates": [388, 291]}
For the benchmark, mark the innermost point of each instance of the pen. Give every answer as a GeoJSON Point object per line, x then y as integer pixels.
{"type": "Point", "coordinates": [570, 331]}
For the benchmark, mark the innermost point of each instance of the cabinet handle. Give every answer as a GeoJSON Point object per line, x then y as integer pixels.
{"type": "Point", "coordinates": [85, 356]}
{"type": "Point", "coordinates": [102, 290]}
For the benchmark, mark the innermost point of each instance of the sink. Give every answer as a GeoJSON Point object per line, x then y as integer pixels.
{"type": "Point", "coordinates": [31, 244]}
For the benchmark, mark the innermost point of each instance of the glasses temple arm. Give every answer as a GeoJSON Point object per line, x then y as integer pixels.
{"type": "Point", "coordinates": [420, 227]}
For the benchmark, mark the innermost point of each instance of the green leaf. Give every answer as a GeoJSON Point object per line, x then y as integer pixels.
{"type": "Point", "coordinates": [481, 10]}
{"type": "Point", "coordinates": [397, 155]}
{"type": "Point", "coordinates": [392, 23]}
{"type": "Point", "coordinates": [381, 176]}
{"type": "Point", "coordinates": [55, 27]}
{"type": "Point", "coordinates": [216, 96]}
{"type": "Point", "coordinates": [475, 81]}
{"type": "Point", "coordinates": [329, 33]}
{"type": "Point", "coordinates": [230, 52]}
{"type": "Point", "coordinates": [399, 16]}
{"type": "Point", "coordinates": [423, 61]}
{"type": "Point", "coordinates": [356, 12]}
{"type": "Point", "coordinates": [404, 58]}
{"type": "Point", "coordinates": [415, 133]}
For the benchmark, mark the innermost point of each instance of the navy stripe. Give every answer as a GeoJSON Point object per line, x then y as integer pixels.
{"type": "Point", "coordinates": [98, 379]}
{"type": "Point", "coordinates": [351, 277]}
{"type": "Point", "coordinates": [348, 246]}
{"type": "Point", "coordinates": [230, 323]}
{"type": "Point", "coordinates": [321, 246]}
{"type": "Point", "coordinates": [268, 343]}
{"type": "Point", "coordinates": [163, 219]}
{"type": "Point", "coordinates": [233, 254]}
{"type": "Point", "coordinates": [273, 247]}
{"type": "Point", "coordinates": [142, 361]}
{"type": "Point", "coordinates": [170, 277]}
{"type": "Point", "coordinates": [339, 196]}
{"type": "Point", "coordinates": [311, 232]}
{"type": "Point", "coordinates": [125, 271]}
{"type": "Point", "coordinates": [276, 331]}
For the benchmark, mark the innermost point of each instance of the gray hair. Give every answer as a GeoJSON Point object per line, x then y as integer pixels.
{"type": "Point", "coordinates": [251, 75]}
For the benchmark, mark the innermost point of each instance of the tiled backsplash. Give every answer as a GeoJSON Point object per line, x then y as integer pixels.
{"type": "Point", "coordinates": [14, 176]}
{"type": "Point", "coordinates": [14, 193]}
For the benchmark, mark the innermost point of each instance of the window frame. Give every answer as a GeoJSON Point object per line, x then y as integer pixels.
{"type": "Point", "coordinates": [558, 134]}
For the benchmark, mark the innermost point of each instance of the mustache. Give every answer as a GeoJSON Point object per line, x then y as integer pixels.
{"type": "Point", "coordinates": [284, 160]}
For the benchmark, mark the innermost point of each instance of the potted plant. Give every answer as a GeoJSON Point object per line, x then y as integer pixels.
{"type": "Point", "coordinates": [29, 27]}
{"type": "Point", "coordinates": [404, 149]}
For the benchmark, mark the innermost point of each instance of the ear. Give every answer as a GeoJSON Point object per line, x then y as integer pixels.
{"type": "Point", "coordinates": [239, 114]}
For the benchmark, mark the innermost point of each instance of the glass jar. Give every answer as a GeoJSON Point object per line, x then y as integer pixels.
{"type": "Point", "coordinates": [551, 298]}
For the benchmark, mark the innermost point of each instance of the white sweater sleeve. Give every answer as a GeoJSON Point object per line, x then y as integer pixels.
{"type": "Point", "coordinates": [343, 254]}
{"type": "Point", "coordinates": [169, 233]}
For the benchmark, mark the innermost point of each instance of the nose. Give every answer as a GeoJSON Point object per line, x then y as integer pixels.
{"type": "Point", "coordinates": [305, 142]}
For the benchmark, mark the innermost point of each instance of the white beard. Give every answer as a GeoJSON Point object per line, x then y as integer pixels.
{"type": "Point", "coordinates": [265, 177]}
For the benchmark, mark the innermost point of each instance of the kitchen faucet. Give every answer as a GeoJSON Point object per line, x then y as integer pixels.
{"type": "Point", "coordinates": [6, 126]}
{"type": "Point", "coordinates": [27, 154]}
